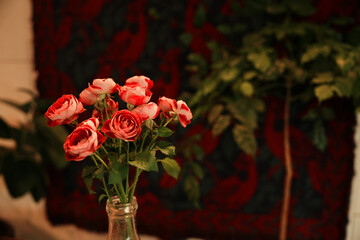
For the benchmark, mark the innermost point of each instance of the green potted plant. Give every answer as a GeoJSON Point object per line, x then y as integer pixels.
{"type": "Point", "coordinates": [287, 57]}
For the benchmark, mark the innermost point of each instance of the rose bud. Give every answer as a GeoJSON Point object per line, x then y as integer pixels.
{"type": "Point", "coordinates": [64, 110]}
{"type": "Point", "coordinates": [184, 113]}
{"type": "Point", "coordinates": [147, 111]}
{"type": "Point", "coordinates": [123, 124]}
{"type": "Point", "coordinates": [140, 81]}
{"type": "Point", "coordinates": [83, 141]}
{"type": "Point", "coordinates": [167, 106]}
{"type": "Point", "coordinates": [90, 95]}
{"type": "Point", "coordinates": [112, 108]}
{"type": "Point", "coordinates": [134, 95]}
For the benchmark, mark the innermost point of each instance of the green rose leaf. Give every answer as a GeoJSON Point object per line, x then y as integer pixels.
{"type": "Point", "coordinates": [168, 150]}
{"type": "Point", "coordinates": [99, 173]}
{"type": "Point", "coordinates": [88, 180]}
{"type": "Point", "coordinates": [171, 167]}
{"type": "Point", "coordinates": [88, 171]}
{"type": "Point", "coordinates": [145, 161]}
{"type": "Point", "coordinates": [164, 131]}
{"type": "Point", "coordinates": [118, 172]}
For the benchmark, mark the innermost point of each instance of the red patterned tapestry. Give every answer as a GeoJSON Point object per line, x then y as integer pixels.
{"type": "Point", "coordinates": [240, 197]}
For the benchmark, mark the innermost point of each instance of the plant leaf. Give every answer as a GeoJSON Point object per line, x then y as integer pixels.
{"type": "Point", "coordinates": [245, 139]}
{"type": "Point", "coordinates": [171, 167]}
{"type": "Point", "coordinates": [164, 131]}
{"type": "Point", "coordinates": [145, 161]}
{"type": "Point", "coordinates": [215, 112]}
{"type": "Point", "coordinates": [221, 123]}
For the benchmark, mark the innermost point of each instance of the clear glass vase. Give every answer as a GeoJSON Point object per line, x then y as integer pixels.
{"type": "Point", "coordinates": [122, 224]}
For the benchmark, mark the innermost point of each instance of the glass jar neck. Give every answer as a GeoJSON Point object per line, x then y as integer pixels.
{"type": "Point", "coordinates": [118, 209]}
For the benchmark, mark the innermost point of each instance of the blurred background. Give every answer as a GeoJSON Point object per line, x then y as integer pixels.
{"type": "Point", "coordinates": [274, 87]}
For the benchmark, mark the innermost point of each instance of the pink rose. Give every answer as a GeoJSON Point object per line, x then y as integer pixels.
{"type": "Point", "coordinates": [170, 107]}
{"type": "Point", "coordinates": [140, 81]}
{"type": "Point", "coordinates": [123, 124]}
{"type": "Point", "coordinates": [112, 108]}
{"type": "Point", "coordinates": [90, 95]}
{"type": "Point", "coordinates": [184, 113]}
{"type": "Point", "coordinates": [167, 106]}
{"type": "Point", "coordinates": [134, 95]}
{"type": "Point", "coordinates": [147, 111]}
{"type": "Point", "coordinates": [83, 141]}
{"type": "Point", "coordinates": [63, 111]}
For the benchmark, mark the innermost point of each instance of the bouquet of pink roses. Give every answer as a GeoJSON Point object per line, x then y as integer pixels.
{"type": "Point", "coordinates": [118, 139]}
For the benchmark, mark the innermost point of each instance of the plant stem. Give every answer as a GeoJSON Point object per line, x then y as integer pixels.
{"type": "Point", "coordinates": [137, 174]}
{"type": "Point", "coordinates": [127, 162]}
{"type": "Point", "coordinates": [170, 119]}
{"type": "Point", "coordinates": [102, 161]}
{"type": "Point", "coordinates": [288, 166]}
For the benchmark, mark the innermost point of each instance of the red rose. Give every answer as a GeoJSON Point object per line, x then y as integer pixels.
{"type": "Point", "coordinates": [112, 107]}
{"type": "Point", "coordinates": [147, 111]}
{"type": "Point", "coordinates": [83, 141]}
{"type": "Point", "coordinates": [140, 81]}
{"type": "Point", "coordinates": [135, 95]}
{"type": "Point", "coordinates": [136, 90]}
{"type": "Point", "coordinates": [123, 124]}
{"type": "Point", "coordinates": [167, 106]}
{"type": "Point", "coordinates": [90, 95]}
{"type": "Point", "coordinates": [184, 113]}
{"type": "Point", "coordinates": [63, 111]}
{"type": "Point", "coordinates": [170, 107]}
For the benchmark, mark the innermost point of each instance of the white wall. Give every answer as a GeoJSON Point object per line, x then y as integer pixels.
{"type": "Point", "coordinates": [16, 56]}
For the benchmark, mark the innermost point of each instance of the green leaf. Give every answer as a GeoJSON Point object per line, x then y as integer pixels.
{"type": "Point", "coordinates": [164, 131]}
{"type": "Point", "coordinates": [325, 77]}
{"type": "Point", "coordinates": [214, 113]}
{"type": "Point", "coordinates": [192, 189]}
{"type": "Point", "coordinates": [22, 176]}
{"type": "Point", "coordinates": [275, 8]}
{"type": "Point", "coordinates": [88, 171]}
{"type": "Point", "coordinates": [88, 180]}
{"type": "Point", "coordinates": [171, 167]}
{"type": "Point", "coordinates": [118, 172]}
{"type": "Point", "coordinates": [345, 85]}
{"type": "Point", "coordinates": [314, 51]}
{"type": "Point", "coordinates": [99, 173]}
{"type": "Point", "coordinates": [145, 161]}
{"type": "Point", "coordinates": [247, 89]}
{"type": "Point", "coordinates": [198, 151]}
{"type": "Point", "coordinates": [185, 38]}
{"type": "Point", "coordinates": [261, 61]}
{"type": "Point", "coordinates": [101, 197]}
{"type": "Point", "coordinates": [197, 169]}
{"type": "Point", "coordinates": [245, 139]}
{"type": "Point", "coordinates": [301, 8]}
{"type": "Point", "coordinates": [169, 150]}
{"type": "Point", "coordinates": [22, 107]}
{"type": "Point", "coordinates": [200, 16]}
{"type": "Point", "coordinates": [5, 130]}
{"type": "Point", "coordinates": [221, 123]}
{"type": "Point", "coordinates": [319, 135]}
{"type": "Point", "coordinates": [248, 75]}
{"type": "Point", "coordinates": [324, 92]}
{"type": "Point", "coordinates": [229, 74]}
